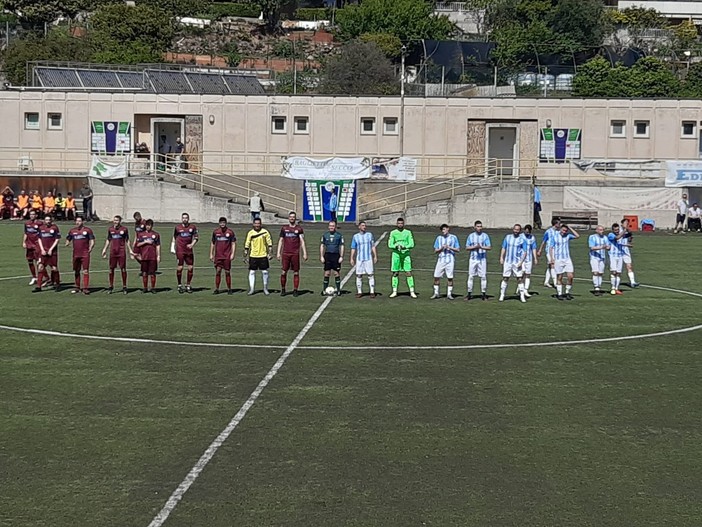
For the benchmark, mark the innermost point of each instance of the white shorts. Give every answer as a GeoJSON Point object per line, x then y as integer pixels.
{"type": "Point", "coordinates": [527, 266]}
{"type": "Point", "coordinates": [615, 264]}
{"type": "Point", "coordinates": [563, 266]}
{"type": "Point", "coordinates": [626, 259]}
{"type": "Point", "coordinates": [444, 267]}
{"type": "Point", "coordinates": [477, 268]}
{"type": "Point", "coordinates": [364, 267]}
{"type": "Point", "coordinates": [597, 265]}
{"type": "Point", "coordinates": [509, 269]}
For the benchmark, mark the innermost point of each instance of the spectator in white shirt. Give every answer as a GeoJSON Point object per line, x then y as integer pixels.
{"type": "Point", "coordinates": [682, 212]}
{"type": "Point", "coordinates": [694, 221]}
{"type": "Point", "coordinates": [256, 206]}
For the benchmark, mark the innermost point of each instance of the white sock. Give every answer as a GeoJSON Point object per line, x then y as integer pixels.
{"type": "Point", "coordinates": [631, 277]}
{"type": "Point", "coordinates": [548, 276]}
{"type": "Point", "coordinates": [359, 284]}
{"type": "Point", "coordinates": [449, 290]}
{"type": "Point", "coordinates": [470, 284]}
{"type": "Point", "coordinates": [568, 288]}
{"type": "Point", "coordinates": [559, 288]}
{"type": "Point", "coordinates": [436, 289]}
{"type": "Point", "coordinates": [527, 283]}
{"type": "Point", "coordinates": [265, 279]}
{"type": "Point", "coordinates": [619, 281]}
{"type": "Point", "coordinates": [252, 280]}
{"type": "Point", "coordinates": [520, 288]}
{"type": "Point", "coordinates": [371, 283]}
{"type": "Point", "coordinates": [553, 275]}
{"type": "Point", "coordinates": [613, 281]}
{"type": "Point", "coordinates": [594, 280]}
{"type": "Point", "coordinates": [483, 284]}
{"type": "Point", "coordinates": [503, 288]}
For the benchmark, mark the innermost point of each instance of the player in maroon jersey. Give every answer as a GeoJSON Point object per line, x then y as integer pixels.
{"type": "Point", "coordinates": [292, 240]}
{"type": "Point", "coordinates": [49, 237]}
{"type": "Point", "coordinates": [222, 252]}
{"type": "Point", "coordinates": [139, 226]}
{"type": "Point", "coordinates": [148, 251]}
{"type": "Point", "coordinates": [30, 244]}
{"type": "Point", "coordinates": [83, 240]}
{"type": "Point", "coordinates": [185, 237]}
{"type": "Point", "coordinates": [118, 243]}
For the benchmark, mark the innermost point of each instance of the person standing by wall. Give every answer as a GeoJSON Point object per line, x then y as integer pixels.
{"type": "Point", "coordinates": [87, 194]}
{"type": "Point", "coordinates": [256, 206]}
{"type": "Point", "coordinates": [682, 206]}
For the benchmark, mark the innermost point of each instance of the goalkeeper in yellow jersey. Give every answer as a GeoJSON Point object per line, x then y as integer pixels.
{"type": "Point", "coordinates": [401, 242]}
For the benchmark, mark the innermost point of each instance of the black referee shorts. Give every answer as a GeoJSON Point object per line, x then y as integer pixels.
{"type": "Point", "coordinates": [331, 262]}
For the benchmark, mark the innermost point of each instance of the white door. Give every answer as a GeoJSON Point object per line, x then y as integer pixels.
{"type": "Point", "coordinates": [502, 143]}
{"type": "Point", "coordinates": [165, 131]}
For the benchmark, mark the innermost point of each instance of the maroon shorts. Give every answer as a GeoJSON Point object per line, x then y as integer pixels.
{"type": "Point", "coordinates": [81, 262]}
{"type": "Point", "coordinates": [118, 261]}
{"type": "Point", "coordinates": [50, 260]}
{"type": "Point", "coordinates": [149, 266]}
{"type": "Point", "coordinates": [32, 254]}
{"type": "Point", "coordinates": [291, 262]}
{"type": "Point", "coordinates": [223, 263]}
{"type": "Point", "coordinates": [185, 259]}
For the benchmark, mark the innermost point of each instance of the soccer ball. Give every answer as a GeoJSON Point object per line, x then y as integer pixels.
{"type": "Point", "coordinates": [330, 291]}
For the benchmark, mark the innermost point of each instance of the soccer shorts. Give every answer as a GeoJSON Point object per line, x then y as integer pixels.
{"type": "Point", "coordinates": [118, 260]}
{"type": "Point", "coordinates": [259, 264]}
{"type": "Point", "coordinates": [615, 264]}
{"type": "Point", "coordinates": [477, 268]}
{"type": "Point", "coordinates": [331, 262]}
{"type": "Point", "coordinates": [224, 263]}
{"type": "Point", "coordinates": [597, 265]}
{"type": "Point", "coordinates": [81, 262]}
{"type": "Point", "coordinates": [32, 254]}
{"type": "Point", "coordinates": [364, 267]}
{"type": "Point", "coordinates": [50, 260]}
{"type": "Point", "coordinates": [401, 263]}
{"type": "Point", "coordinates": [444, 267]}
{"type": "Point", "coordinates": [626, 259]}
{"type": "Point", "coordinates": [185, 258]}
{"type": "Point", "coordinates": [149, 267]}
{"type": "Point", "coordinates": [509, 269]}
{"type": "Point", "coordinates": [290, 262]}
{"type": "Point", "coordinates": [563, 266]}
{"type": "Point", "coordinates": [527, 266]}
{"type": "Point", "coordinates": [680, 218]}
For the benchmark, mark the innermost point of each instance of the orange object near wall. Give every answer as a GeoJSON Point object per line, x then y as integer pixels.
{"type": "Point", "coordinates": [633, 222]}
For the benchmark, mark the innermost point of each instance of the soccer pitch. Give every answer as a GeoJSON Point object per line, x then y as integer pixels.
{"type": "Point", "coordinates": [387, 412]}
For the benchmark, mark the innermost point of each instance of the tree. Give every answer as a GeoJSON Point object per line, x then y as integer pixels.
{"type": "Point", "coordinates": [177, 7]}
{"type": "Point", "coordinates": [692, 85]}
{"type": "Point", "coordinates": [390, 45]}
{"type": "Point", "coordinates": [360, 68]}
{"type": "Point", "coordinates": [685, 35]}
{"type": "Point", "coordinates": [271, 11]}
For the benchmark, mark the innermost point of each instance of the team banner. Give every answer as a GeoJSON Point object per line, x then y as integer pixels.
{"type": "Point", "coordinates": [620, 198]}
{"type": "Point", "coordinates": [394, 168]}
{"type": "Point", "coordinates": [110, 137]}
{"type": "Point", "coordinates": [114, 168]}
{"type": "Point", "coordinates": [560, 144]}
{"type": "Point", "coordinates": [329, 200]}
{"type": "Point", "coordinates": [331, 168]}
{"type": "Point", "coordinates": [683, 174]}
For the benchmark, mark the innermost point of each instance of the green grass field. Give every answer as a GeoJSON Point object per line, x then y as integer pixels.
{"type": "Point", "coordinates": [101, 432]}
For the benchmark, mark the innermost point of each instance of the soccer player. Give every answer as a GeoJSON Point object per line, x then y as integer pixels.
{"type": "Point", "coordinates": [258, 251]}
{"type": "Point", "coordinates": [23, 204]}
{"type": "Point", "coordinates": [331, 254]}
{"type": "Point", "coordinates": [37, 203]}
{"type": "Point", "coordinates": [49, 237]}
{"type": "Point", "coordinates": [616, 255]}
{"type": "Point", "coordinates": [118, 243]}
{"type": "Point", "coordinates": [185, 236]}
{"type": "Point", "coordinates": [222, 253]}
{"type": "Point", "coordinates": [70, 206]}
{"type": "Point", "coordinates": [49, 204]}
{"type": "Point", "coordinates": [559, 247]}
{"type": "Point", "coordinates": [627, 244]}
{"type": "Point", "coordinates": [7, 205]}
{"type": "Point", "coordinates": [363, 256]}
{"type": "Point", "coordinates": [531, 259]}
{"type": "Point", "coordinates": [682, 206]}
{"type": "Point", "coordinates": [291, 241]}
{"type": "Point", "coordinates": [477, 245]}
{"type": "Point", "coordinates": [83, 242]}
{"type": "Point", "coordinates": [401, 243]}
{"type": "Point", "coordinates": [512, 257]}
{"type": "Point", "coordinates": [548, 234]}
{"type": "Point", "coordinates": [148, 251]}
{"type": "Point", "coordinates": [446, 246]}
{"type": "Point", "coordinates": [139, 226]}
{"type": "Point", "coordinates": [599, 245]}
{"type": "Point", "coordinates": [30, 244]}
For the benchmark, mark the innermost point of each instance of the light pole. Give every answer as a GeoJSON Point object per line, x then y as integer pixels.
{"type": "Point", "coordinates": [403, 51]}
{"type": "Point", "coordinates": [687, 54]}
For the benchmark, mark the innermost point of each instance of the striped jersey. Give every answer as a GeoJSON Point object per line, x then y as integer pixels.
{"type": "Point", "coordinates": [598, 240]}
{"type": "Point", "coordinates": [515, 247]}
{"type": "Point", "coordinates": [561, 246]}
{"type": "Point", "coordinates": [363, 242]}
{"type": "Point", "coordinates": [625, 241]}
{"type": "Point", "coordinates": [478, 239]}
{"type": "Point", "coordinates": [548, 234]}
{"type": "Point", "coordinates": [616, 250]}
{"type": "Point", "coordinates": [530, 240]}
{"type": "Point", "coordinates": [446, 255]}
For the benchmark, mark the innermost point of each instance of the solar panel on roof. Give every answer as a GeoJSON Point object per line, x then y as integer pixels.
{"type": "Point", "coordinates": [98, 79]}
{"type": "Point", "coordinates": [243, 85]}
{"type": "Point", "coordinates": [132, 79]}
{"type": "Point", "coordinates": [169, 81]}
{"type": "Point", "coordinates": [207, 83]}
{"type": "Point", "coordinates": [58, 78]}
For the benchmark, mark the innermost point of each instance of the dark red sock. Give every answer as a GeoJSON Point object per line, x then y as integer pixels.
{"type": "Point", "coordinates": [228, 278]}
{"type": "Point", "coordinates": [296, 281]}
{"type": "Point", "coordinates": [179, 276]}
{"type": "Point", "coordinates": [283, 280]}
{"type": "Point", "coordinates": [145, 280]}
{"type": "Point", "coordinates": [86, 280]}
{"type": "Point", "coordinates": [190, 276]}
{"type": "Point", "coordinates": [153, 281]}
{"type": "Point", "coordinates": [77, 281]}
{"type": "Point", "coordinates": [57, 277]}
{"type": "Point", "coordinates": [32, 269]}
{"type": "Point", "coordinates": [112, 278]}
{"type": "Point", "coordinates": [124, 278]}
{"type": "Point", "coordinates": [218, 280]}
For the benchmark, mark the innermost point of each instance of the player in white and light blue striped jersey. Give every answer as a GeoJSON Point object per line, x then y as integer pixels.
{"type": "Point", "coordinates": [363, 256]}
{"type": "Point", "coordinates": [599, 245]}
{"type": "Point", "coordinates": [548, 234]}
{"type": "Point", "coordinates": [477, 245]}
{"type": "Point", "coordinates": [627, 243]}
{"type": "Point", "coordinates": [531, 257]}
{"type": "Point", "coordinates": [446, 246]}
{"type": "Point", "coordinates": [616, 257]}
{"type": "Point", "coordinates": [512, 256]}
{"type": "Point", "coordinates": [559, 247]}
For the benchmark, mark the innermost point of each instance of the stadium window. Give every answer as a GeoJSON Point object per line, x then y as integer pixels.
{"type": "Point", "coordinates": [390, 126]}
{"type": "Point", "coordinates": [688, 130]}
{"type": "Point", "coordinates": [367, 125]}
{"type": "Point", "coordinates": [279, 125]}
{"type": "Point", "coordinates": [302, 125]}
{"type": "Point", "coordinates": [31, 121]}
{"type": "Point", "coordinates": [55, 121]}
{"type": "Point", "coordinates": [617, 129]}
{"type": "Point", "coordinates": [641, 128]}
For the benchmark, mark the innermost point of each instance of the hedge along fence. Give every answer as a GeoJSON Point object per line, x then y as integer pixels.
{"type": "Point", "coordinates": [230, 9]}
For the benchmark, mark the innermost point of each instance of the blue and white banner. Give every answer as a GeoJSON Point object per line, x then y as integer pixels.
{"type": "Point", "coordinates": [329, 200]}
{"type": "Point", "coordinates": [683, 174]}
{"type": "Point", "coordinates": [328, 169]}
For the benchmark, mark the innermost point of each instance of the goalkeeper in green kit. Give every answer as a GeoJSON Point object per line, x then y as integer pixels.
{"type": "Point", "coordinates": [401, 242]}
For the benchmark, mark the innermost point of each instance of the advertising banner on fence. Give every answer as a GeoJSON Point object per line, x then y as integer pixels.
{"type": "Point", "coordinates": [329, 200]}
{"type": "Point", "coordinates": [394, 168]}
{"type": "Point", "coordinates": [115, 168]}
{"type": "Point", "coordinates": [329, 169]}
{"type": "Point", "coordinates": [619, 198]}
{"type": "Point", "coordinates": [683, 174]}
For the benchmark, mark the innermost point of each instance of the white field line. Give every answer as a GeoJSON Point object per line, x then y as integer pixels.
{"type": "Point", "coordinates": [190, 478]}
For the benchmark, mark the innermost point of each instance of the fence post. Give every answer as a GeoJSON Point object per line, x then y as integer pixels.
{"type": "Point", "coordinates": [405, 207]}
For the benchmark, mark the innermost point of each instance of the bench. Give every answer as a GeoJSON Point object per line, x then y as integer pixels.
{"type": "Point", "coordinates": [580, 218]}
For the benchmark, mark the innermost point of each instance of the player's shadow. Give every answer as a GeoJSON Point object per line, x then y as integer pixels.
{"type": "Point", "coordinates": [300, 292]}
{"type": "Point", "coordinates": [405, 294]}
{"type": "Point", "coordinates": [162, 289]}
{"type": "Point", "coordinates": [199, 289]}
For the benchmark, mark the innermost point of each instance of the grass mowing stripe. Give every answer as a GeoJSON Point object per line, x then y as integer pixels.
{"type": "Point", "coordinates": [180, 491]}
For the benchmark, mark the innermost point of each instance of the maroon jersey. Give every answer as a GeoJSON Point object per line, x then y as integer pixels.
{"type": "Point", "coordinates": [184, 235]}
{"type": "Point", "coordinates": [81, 241]}
{"type": "Point", "coordinates": [31, 229]}
{"type": "Point", "coordinates": [47, 235]}
{"type": "Point", "coordinates": [222, 239]}
{"type": "Point", "coordinates": [291, 238]}
{"type": "Point", "coordinates": [139, 227]}
{"type": "Point", "coordinates": [148, 251]}
{"type": "Point", "coordinates": [119, 237]}
{"type": "Point", "coordinates": [8, 200]}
